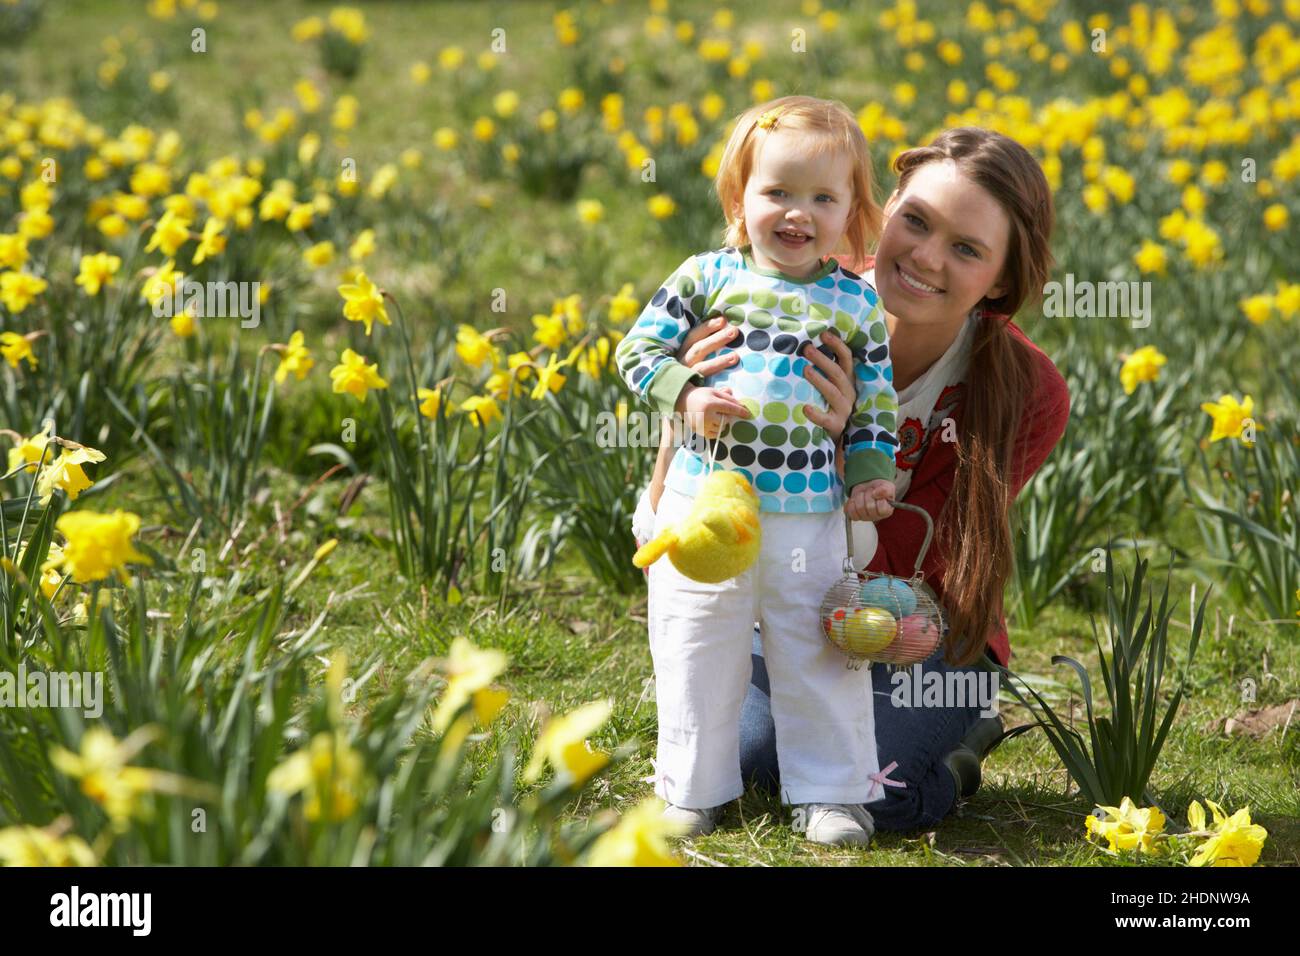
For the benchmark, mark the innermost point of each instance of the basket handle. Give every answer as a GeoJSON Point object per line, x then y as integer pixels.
{"type": "Point", "coordinates": [925, 545]}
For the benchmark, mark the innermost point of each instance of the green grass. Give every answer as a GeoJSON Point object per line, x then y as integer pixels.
{"type": "Point", "coordinates": [568, 640]}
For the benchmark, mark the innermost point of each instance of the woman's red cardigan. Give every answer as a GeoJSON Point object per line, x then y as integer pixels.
{"type": "Point", "coordinates": [934, 464]}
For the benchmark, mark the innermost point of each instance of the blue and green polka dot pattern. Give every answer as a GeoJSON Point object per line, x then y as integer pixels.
{"type": "Point", "coordinates": [789, 460]}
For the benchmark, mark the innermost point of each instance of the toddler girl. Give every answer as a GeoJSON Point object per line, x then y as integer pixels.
{"type": "Point", "coordinates": [795, 185]}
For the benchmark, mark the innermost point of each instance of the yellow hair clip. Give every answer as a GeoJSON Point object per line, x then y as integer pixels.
{"type": "Point", "coordinates": [768, 119]}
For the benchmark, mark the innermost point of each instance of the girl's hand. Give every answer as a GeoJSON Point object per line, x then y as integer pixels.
{"type": "Point", "coordinates": [697, 351]}
{"type": "Point", "coordinates": [870, 501]}
{"type": "Point", "coordinates": [708, 410]}
{"type": "Point", "coordinates": [834, 381]}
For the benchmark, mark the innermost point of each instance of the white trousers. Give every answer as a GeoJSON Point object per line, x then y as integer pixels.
{"type": "Point", "coordinates": [701, 636]}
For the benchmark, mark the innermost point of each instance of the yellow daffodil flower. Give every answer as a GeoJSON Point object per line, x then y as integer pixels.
{"type": "Point", "coordinates": [363, 302]}
{"type": "Point", "coordinates": [103, 768]}
{"type": "Point", "coordinates": [470, 669]}
{"type": "Point", "coordinates": [474, 348]}
{"type": "Point", "coordinates": [1127, 827]}
{"type": "Point", "coordinates": [28, 451]}
{"type": "Point", "coordinates": [97, 271]}
{"type": "Point", "coordinates": [483, 408]}
{"type": "Point", "coordinates": [1142, 366]}
{"type": "Point", "coordinates": [563, 743]}
{"type": "Point", "coordinates": [1151, 257]}
{"type": "Point", "coordinates": [19, 289]}
{"type": "Point", "coordinates": [1230, 417]}
{"type": "Point", "coordinates": [15, 348]}
{"type": "Point", "coordinates": [36, 846]}
{"type": "Point", "coordinates": [431, 399]}
{"type": "Point", "coordinates": [354, 376]}
{"type": "Point", "coordinates": [169, 234]}
{"type": "Point", "coordinates": [66, 474]}
{"type": "Point", "coordinates": [329, 771]}
{"type": "Point", "coordinates": [549, 378]}
{"type": "Point", "coordinates": [640, 838]}
{"type": "Point", "coordinates": [1236, 841]}
{"type": "Point", "coordinates": [294, 358]}
{"type": "Point", "coordinates": [98, 545]}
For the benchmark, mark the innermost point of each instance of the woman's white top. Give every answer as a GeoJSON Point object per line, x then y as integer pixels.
{"type": "Point", "coordinates": [917, 401]}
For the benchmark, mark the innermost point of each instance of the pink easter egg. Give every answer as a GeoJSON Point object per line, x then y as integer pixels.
{"type": "Point", "coordinates": [917, 638]}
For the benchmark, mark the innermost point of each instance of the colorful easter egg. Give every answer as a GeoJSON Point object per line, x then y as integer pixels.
{"type": "Point", "coordinates": [868, 630]}
{"type": "Point", "coordinates": [892, 594]}
{"type": "Point", "coordinates": [833, 625]}
{"type": "Point", "coordinates": [917, 638]}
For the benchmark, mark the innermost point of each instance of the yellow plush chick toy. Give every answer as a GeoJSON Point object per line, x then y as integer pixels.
{"type": "Point", "coordinates": [718, 539]}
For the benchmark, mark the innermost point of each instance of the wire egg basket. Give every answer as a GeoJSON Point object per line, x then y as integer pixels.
{"type": "Point", "coordinates": [879, 618]}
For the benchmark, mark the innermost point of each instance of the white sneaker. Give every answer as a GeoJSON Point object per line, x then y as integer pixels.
{"type": "Point", "coordinates": [839, 824]}
{"type": "Point", "coordinates": [694, 822]}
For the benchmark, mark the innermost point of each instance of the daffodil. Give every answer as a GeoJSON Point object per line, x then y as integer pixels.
{"type": "Point", "coordinates": [162, 283]}
{"type": "Point", "coordinates": [363, 302]}
{"type": "Point", "coordinates": [1229, 416]}
{"type": "Point", "coordinates": [1257, 308]}
{"type": "Point", "coordinates": [169, 234]}
{"type": "Point", "coordinates": [212, 242]}
{"type": "Point", "coordinates": [294, 358]}
{"type": "Point", "coordinates": [329, 771]}
{"type": "Point", "coordinates": [624, 306]}
{"type": "Point", "coordinates": [318, 255]}
{"type": "Point", "coordinates": [299, 217]}
{"type": "Point", "coordinates": [661, 206]}
{"type": "Point", "coordinates": [445, 138]}
{"type": "Point", "coordinates": [431, 399]}
{"type": "Point", "coordinates": [470, 669]}
{"type": "Point", "coordinates": [1142, 366]}
{"type": "Point", "coordinates": [590, 211]}
{"type": "Point", "coordinates": [362, 246]}
{"type": "Point", "coordinates": [1127, 827]}
{"type": "Point", "coordinates": [98, 545]}
{"type": "Point", "coordinates": [15, 348]}
{"type": "Point", "coordinates": [66, 474]}
{"type": "Point", "coordinates": [28, 451]}
{"type": "Point", "coordinates": [104, 773]}
{"type": "Point", "coordinates": [549, 330]}
{"type": "Point", "coordinates": [36, 846]}
{"type": "Point", "coordinates": [1151, 257]}
{"type": "Point", "coordinates": [35, 224]}
{"type": "Point", "coordinates": [13, 250]}
{"type": "Point", "coordinates": [1236, 840]}
{"type": "Point", "coordinates": [549, 378]}
{"type": "Point", "coordinates": [563, 743]}
{"type": "Point", "coordinates": [483, 408]}
{"type": "Point", "coordinates": [640, 838]}
{"type": "Point", "coordinates": [354, 376]}
{"type": "Point", "coordinates": [97, 271]}
{"type": "Point", "coordinates": [474, 348]}
{"type": "Point", "coordinates": [19, 289]}
{"type": "Point", "coordinates": [1287, 299]}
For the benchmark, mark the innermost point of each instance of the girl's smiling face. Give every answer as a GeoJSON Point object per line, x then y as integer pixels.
{"type": "Point", "coordinates": [943, 246]}
{"type": "Point", "coordinates": [796, 204]}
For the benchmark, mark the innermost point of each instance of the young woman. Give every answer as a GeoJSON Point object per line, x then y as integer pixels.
{"type": "Point", "coordinates": [965, 245]}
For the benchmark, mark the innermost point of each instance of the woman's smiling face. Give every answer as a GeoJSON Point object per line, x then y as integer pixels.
{"type": "Point", "coordinates": [943, 246]}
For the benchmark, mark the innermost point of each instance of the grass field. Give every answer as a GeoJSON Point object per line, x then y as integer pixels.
{"type": "Point", "coordinates": [461, 225]}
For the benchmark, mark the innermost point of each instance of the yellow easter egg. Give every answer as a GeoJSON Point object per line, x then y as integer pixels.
{"type": "Point", "coordinates": [868, 630]}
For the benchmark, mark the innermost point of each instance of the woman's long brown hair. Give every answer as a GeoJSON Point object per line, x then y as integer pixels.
{"type": "Point", "coordinates": [974, 532]}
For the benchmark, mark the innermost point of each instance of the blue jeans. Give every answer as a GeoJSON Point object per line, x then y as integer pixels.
{"type": "Point", "coordinates": [918, 738]}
